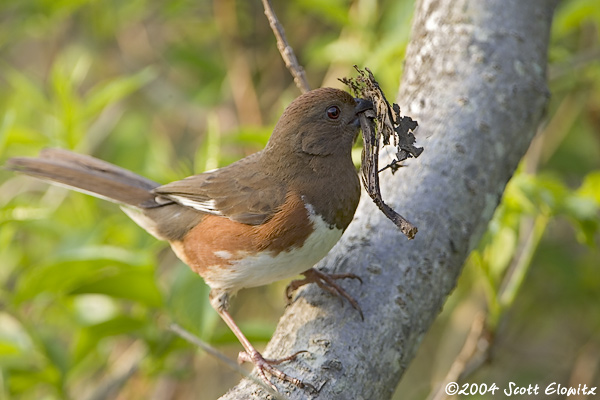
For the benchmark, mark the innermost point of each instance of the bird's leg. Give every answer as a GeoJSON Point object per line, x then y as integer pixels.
{"type": "Point", "coordinates": [263, 365]}
{"type": "Point", "coordinates": [325, 282]}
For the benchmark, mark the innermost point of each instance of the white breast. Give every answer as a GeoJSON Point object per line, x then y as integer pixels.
{"type": "Point", "coordinates": [264, 268]}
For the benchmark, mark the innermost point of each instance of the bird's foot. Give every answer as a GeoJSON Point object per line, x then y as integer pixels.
{"type": "Point", "coordinates": [325, 282]}
{"type": "Point", "coordinates": [266, 366]}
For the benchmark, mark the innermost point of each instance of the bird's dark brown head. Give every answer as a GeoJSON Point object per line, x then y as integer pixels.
{"type": "Point", "coordinates": [310, 152]}
{"type": "Point", "coordinates": [322, 122]}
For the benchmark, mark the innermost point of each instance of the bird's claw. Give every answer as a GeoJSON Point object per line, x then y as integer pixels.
{"type": "Point", "coordinates": [265, 366]}
{"type": "Point", "coordinates": [325, 282]}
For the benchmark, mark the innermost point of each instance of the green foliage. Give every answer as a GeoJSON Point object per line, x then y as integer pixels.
{"type": "Point", "coordinates": [168, 89]}
{"type": "Point", "coordinates": [530, 203]}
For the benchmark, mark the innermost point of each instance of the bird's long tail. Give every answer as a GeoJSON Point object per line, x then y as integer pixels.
{"type": "Point", "coordinates": [89, 175]}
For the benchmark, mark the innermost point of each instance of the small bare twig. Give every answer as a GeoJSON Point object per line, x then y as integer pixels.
{"type": "Point", "coordinates": [585, 366]}
{"type": "Point", "coordinates": [467, 354]}
{"type": "Point", "coordinates": [120, 372]}
{"type": "Point", "coordinates": [287, 53]}
{"type": "Point", "coordinates": [577, 62]}
{"type": "Point", "coordinates": [195, 340]}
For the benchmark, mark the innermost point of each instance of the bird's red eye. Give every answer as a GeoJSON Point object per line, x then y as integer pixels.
{"type": "Point", "coordinates": [333, 112]}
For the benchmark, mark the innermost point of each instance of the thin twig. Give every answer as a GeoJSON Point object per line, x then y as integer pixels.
{"type": "Point", "coordinates": [195, 340]}
{"type": "Point", "coordinates": [467, 353]}
{"type": "Point", "coordinates": [576, 62]}
{"type": "Point", "coordinates": [109, 389]}
{"type": "Point", "coordinates": [528, 243]}
{"type": "Point", "coordinates": [585, 367]}
{"type": "Point", "coordinates": [121, 371]}
{"type": "Point", "coordinates": [286, 51]}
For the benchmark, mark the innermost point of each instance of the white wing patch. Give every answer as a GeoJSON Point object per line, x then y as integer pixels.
{"type": "Point", "coordinates": [209, 206]}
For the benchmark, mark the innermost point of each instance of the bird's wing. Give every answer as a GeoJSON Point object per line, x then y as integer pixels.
{"type": "Point", "coordinates": [237, 192]}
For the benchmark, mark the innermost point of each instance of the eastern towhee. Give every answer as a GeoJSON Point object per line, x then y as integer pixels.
{"type": "Point", "coordinates": [266, 217]}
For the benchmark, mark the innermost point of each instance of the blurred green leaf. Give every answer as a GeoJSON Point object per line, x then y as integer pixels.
{"type": "Point", "coordinates": [591, 186]}
{"type": "Point", "coordinates": [74, 269]}
{"type": "Point", "coordinates": [106, 93]}
{"type": "Point", "coordinates": [54, 349]}
{"type": "Point", "coordinates": [21, 381]}
{"type": "Point", "coordinates": [8, 349]}
{"type": "Point", "coordinates": [573, 14]}
{"type": "Point", "coordinates": [335, 11]}
{"type": "Point", "coordinates": [133, 284]}
{"type": "Point", "coordinates": [499, 253]}
{"type": "Point", "coordinates": [90, 336]}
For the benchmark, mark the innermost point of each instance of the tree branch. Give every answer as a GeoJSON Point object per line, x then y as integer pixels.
{"type": "Point", "coordinates": [286, 51]}
{"type": "Point", "coordinates": [475, 80]}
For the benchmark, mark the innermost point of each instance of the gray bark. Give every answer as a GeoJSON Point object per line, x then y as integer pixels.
{"type": "Point", "coordinates": [475, 80]}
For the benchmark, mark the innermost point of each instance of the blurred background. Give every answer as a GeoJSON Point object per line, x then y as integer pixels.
{"type": "Point", "coordinates": [169, 89]}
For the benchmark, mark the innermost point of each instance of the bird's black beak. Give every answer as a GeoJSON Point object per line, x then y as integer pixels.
{"type": "Point", "coordinates": [362, 105]}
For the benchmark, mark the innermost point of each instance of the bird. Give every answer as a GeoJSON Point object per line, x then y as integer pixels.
{"type": "Point", "coordinates": [269, 216]}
